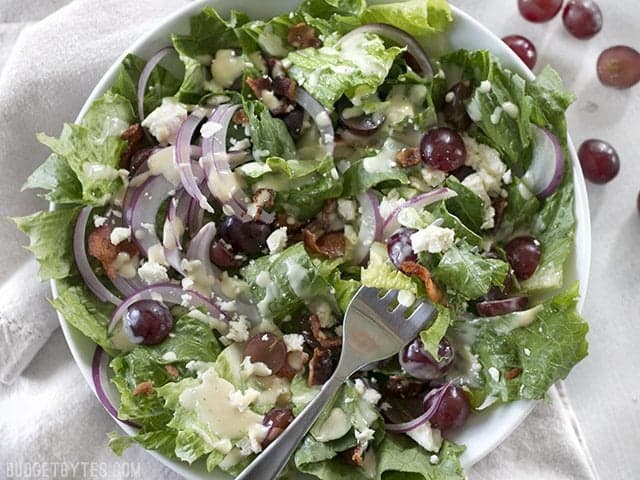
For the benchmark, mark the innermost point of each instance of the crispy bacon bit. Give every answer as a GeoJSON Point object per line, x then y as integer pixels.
{"type": "Point", "coordinates": [144, 388]}
{"type": "Point", "coordinates": [258, 85]}
{"type": "Point", "coordinates": [331, 245]}
{"type": "Point", "coordinates": [354, 456]}
{"type": "Point", "coordinates": [320, 367]}
{"type": "Point", "coordinates": [100, 247]}
{"type": "Point", "coordinates": [264, 197]}
{"type": "Point", "coordinates": [408, 157]}
{"type": "Point", "coordinates": [287, 371]}
{"type": "Point", "coordinates": [413, 268]}
{"type": "Point", "coordinates": [133, 136]}
{"type": "Point", "coordinates": [240, 117]}
{"type": "Point", "coordinates": [285, 87]}
{"type": "Point", "coordinates": [302, 35]}
{"type": "Point", "coordinates": [321, 337]}
{"type": "Point", "coordinates": [513, 373]}
{"type": "Point", "coordinates": [172, 371]}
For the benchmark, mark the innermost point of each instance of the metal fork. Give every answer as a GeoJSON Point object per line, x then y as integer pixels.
{"type": "Point", "coordinates": [373, 330]}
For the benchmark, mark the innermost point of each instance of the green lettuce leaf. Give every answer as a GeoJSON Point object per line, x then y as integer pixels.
{"type": "Point", "coordinates": [84, 311]}
{"type": "Point", "coordinates": [381, 273]}
{"type": "Point", "coordinates": [432, 335]}
{"type": "Point", "coordinates": [301, 186]}
{"type": "Point", "coordinates": [545, 346]}
{"type": "Point", "coordinates": [56, 176]}
{"type": "Point", "coordinates": [94, 160]}
{"type": "Point", "coordinates": [454, 223]}
{"type": "Point", "coordinates": [355, 68]}
{"type": "Point", "coordinates": [467, 206]}
{"type": "Point", "coordinates": [554, 228]}
{"type": "Point", "coordinates": [161, 83]}
{"type": "Point", "coordinates": [162, 441]}
{"type": "Point", "coordinates": [416, 17]}
{"type": "Point", "coordinates": [209, 33]}
{"type": "Point", "coordinates": [468, 273]}
{"type": "Point", "coordinates": [358, 179]}
{"type": "Point", "coordinates": [522, 207]}
{"type": "Point", "coordinates": [108, 116]}
{"type": "Point", "coordinates": [268, 134]}
{"type": "Point", "coordinates": [50, 239]}
{"type": "Point", "coordinates": [294, 282]}
{"type": "Point", "coordinates": [327, 8]}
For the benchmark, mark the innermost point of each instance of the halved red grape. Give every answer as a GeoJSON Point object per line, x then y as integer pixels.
{"type": "Point", "coordinates": [619, 67]}
{"type": "Point", "coordinates": [362, 124]}
{"type": "Point", "coordinates": [523, 254]}
{"type": "Point", "coordinates": [419, 363]}
{"type": "Point", "coordinates": [443, 149]}
{"type": "Point", "coordinates": [454, 110]}
{"type": "Point", "coordinates": [399, 247]}
{"type": "Point", "coordinates": [222, 256]}
{"type": "Point", "coordinates": [149, 320]}
{"type": "Point", "coordinates": [453, 410]}
{"type": "Point", "coordinates": [524, 48]}
{"type": "Point", "coordinates": [491, 308]}
{"type": "Point", "coordinates": [539, 10]}
{"type": "Point", "coordinates": [268, 349]}
{"type": "Point", "coordinates": [582, 18]}
{"type": "Point", "coordinates": [277, 420]}
{"type": "Point", "coordinates": [599, 161]}
{"type": "Point", "coordinates": [245, 237]}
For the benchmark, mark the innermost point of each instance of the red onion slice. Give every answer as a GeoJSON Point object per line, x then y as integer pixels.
{"type": "Point", "coordinates": [178, 211]}
{"type": "Point", "coordinates": [99, 376]}
{"type": "Point", "coordinates": [199, 249]}
{"type": "Point", "coordinates": [182, 156]}
{"type": "Point", "coordinates": [401, 38]}
{"type": "Point", "coordinates": [418, 202]}
{"type": "Point", "coordinates": [320, 116]}
{"type": "Point", "coordinates": [82, 261]}
{"type": "Point", "coordinates": [370, 225]}
{"type": "Point", "coordinates": [171, 294]}
{"type": "Point", "coordinates": [146, 74]}
{"type": "Point", "coordinates": [438, 394]}
{"type": "Point", "coordinates": [547, 166]}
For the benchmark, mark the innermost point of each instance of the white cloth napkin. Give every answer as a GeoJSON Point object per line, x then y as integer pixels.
{"type": "Point", "coordinates": [49, 415]}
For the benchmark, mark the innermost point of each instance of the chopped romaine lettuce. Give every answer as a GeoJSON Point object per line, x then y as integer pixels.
{"type": "Point", "coordinates": [432, 335]}
{"type": "Point", "coordinates": [358, 178]}
{"type": "Point", "coordinates": [327, 8]}
{"type": "Point", "coordinates": [416, 17]}
{"type": "Point", "coordinates": [269, 135]}
{"type": "Point", "coordinates": [466, 205]}
{"type": "Point", "coordinates": [381, 273]}
{"type": "Point", "coordinates": [522, 207]}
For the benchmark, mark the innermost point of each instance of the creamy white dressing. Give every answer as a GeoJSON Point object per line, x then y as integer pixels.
{"type": "Point", "coordinates": [125, 265]}
{"type": "Point", "coordinates": [226, 67]}
{"type": "Point", "coordinates": [162, 163]}
{"type": "Point", "coordinates": [385, 159]}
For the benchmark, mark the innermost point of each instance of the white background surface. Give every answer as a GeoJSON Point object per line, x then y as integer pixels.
{"type": "Point", "coordinates": [604, 388]}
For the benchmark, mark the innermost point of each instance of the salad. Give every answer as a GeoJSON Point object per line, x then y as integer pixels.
{"type": "Point", "coordinates": [211, 225]}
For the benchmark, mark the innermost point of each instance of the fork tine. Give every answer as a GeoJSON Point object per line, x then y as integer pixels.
{"type": "Point", "coordinates": [424, 311]}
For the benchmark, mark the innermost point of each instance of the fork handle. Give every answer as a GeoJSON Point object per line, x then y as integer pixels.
{"type": "Point", "coordinates": [274, 458]}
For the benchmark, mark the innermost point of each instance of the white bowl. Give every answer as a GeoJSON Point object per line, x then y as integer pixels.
{"type": "Point", "coordinates": [484, 431]}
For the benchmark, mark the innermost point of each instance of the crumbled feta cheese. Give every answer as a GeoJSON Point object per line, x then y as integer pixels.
{"type": "Point", "coordinates": [229, 306]}
{"type": "Point", "coordinates": [406, 298]}
{"type": "Point", "coordinates": [238, 330]}
{"type": "Point", "coordinates": [155, 254]}
{"type": "Point", "coordinates": [293, 341]}
{"type": "Point", "coordinates": [339, 330]}
{"type": "Point", "coordinates": [432, 239]}
{"type": "Point", "coordinates": [359, 386]}
{"type": "Point", "coordinates": [323, 311]}
{"type": "Point", "coordinates": [449, 97]}
{"type": "Point", "coordinates": [527, 352]}
{"type": "Point", "coordinates": [390, 202]}
{"type": "Point", "coordinates": [120, 234]}
{"type": "Point", "coordinates": [486, 162]}
{"type": "Point", "coordinates": [125, 265]}
{"type": "Point", "coordinates": [365, 436]}
{"type": "Point", "coordinates": [99, 221]}
{"type": "Point", "coordinates": [434, 459]}
{"type": "Point", "coordinates": [263, 279]}
{"type": "Point", "coordinates": [432, 177]}
{"type": "Point", "coordinates": [259, 369]}
{"type": "Point", "coordinates": [428, 438]}
{"type": "Point", "coordinates": [169, 357]}
{"type": "Point", "coordinates": [270, 100]}
{"type": "Point", "coordinates": [231, 287]}
{"type": "Point", "coordinates": [152, 273]}
{"type": "Point", "coordinates": [209, 129]}
{"type": "Point", "coordinates": [371, 396]}
{"type": "Point", "coordinates": [186, 299]}
{"type": "Point", "coordinates": [347, 209]}
{"type": "Point", "coordinates": [165, 121]}
{"type": "Point", "coordinates": [277, 241]}
{"type": "Point", "coordinates": [474, 183]}
{"type": "Point", "coordinates": [242, 400]}
{"type": "Point", "coordinates": [350, 234]}
{"type": "Point", "coordinates": [507, 178]}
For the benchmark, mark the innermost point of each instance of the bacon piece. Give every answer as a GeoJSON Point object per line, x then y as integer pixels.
{"type": "Point", "coordinates": [354, 456]}
{"type": "Point", "coordinates": [240, 117]}
{"type": "Point", "coordinates": [408, 157]}
{"type": "Point", "coordinates": [331, 245]}
{"type": "Point", "coordinates": [285, 87]}
{"type": "Point", "coordinates": [513, 373]}
{"type": "Point", "coordinates": [172, 371]}
{"type": "Point", "coordinates": [302, 35]}
{"type": "Point", "coordinates": [321, 337]}
{"type": "Point", "coordinates": [320, 367]}
{"type": "Point", "coordinates": [133, 136]}
{"type": "Point", "coordinates": [413, 268]}
{"type": "Point", "coordinates": [258, 85]}
{"type": "Point", "coordinates": [100, 247]}
{"type": "Point", "coordinates": [144, 388]}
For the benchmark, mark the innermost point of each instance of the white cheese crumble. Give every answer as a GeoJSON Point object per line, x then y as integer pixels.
{"type": "Point", "coordinates": [449, 97]}
{"type": "Point", "coordinates": [259, 369]}
{"type": "Point", "coordinates": [434, 459]}
{"type": "Point", "coordinates": [293, 341]}
{"type": "Point", "coordinates": [152, 273]}
{"type": "Point", "coordinates": [209, 129]}
{"type": "Point", "coordinates": [347, 209]}
{"type": "Point", "coordinates": [365, 436]}
{"type": "Point", "coordinates": [474, 183]}
{"type": "Point", "coordinates": [155, 254]}
{"type": "Point", "coordinates": [428, 438]}
{"type": "Point", "coordinates": [120, 234]}
{"type": "Point", "coordinates": [277, 241]}
{"type": "Point", "coordinates": [527, 352]}
{"type": "Point", "coordinates": [99, 221]}
{"type": "Point", "coordinates": [242, 400]}
{"type": "Point", "coordinates": [371, 396]}
{"type": "Point", "coordinates": [432, 239]}
{"type": "Point", "coordinates": [238, 331]}
{"type": "Point", "coordinates": [125, 265]}
{"type": "Point", "coordinates": [432, 177]}
{"type": "Point", "coordinates": [486, 162]}
{"type": "Point", "coordinates": [165, 121]}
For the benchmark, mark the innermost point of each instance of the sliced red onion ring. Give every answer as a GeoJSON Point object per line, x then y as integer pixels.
{"type": "Point", "coordinates": [320, 116]}
{"type": "Point", "coordinates": [183, 159]}
{"type": "Point", "coordinates": [146, 74]}
{"type": "Point", "coordinates": [171, 294]}
{"type": "Point", "coordinates": [128, 286]}
{"type": "Point", "coordinates": [199, 249]}
{"type": "Point", "coordinates": [99, 376]}
{"type": "Point", "coordinates": [178, 211]}
{"type": "Point", "coordinates": [438, 394]}
{"type": "Point", "coordinates": [370, 225]}
{"type": "Point", "coordinates": [547, 166]}
{"type": "Point", "coordinates": [418, 202]}
{"type": "Point", "coordinates": [82, 261]}
{"type": "Point", "coordinates": [401, 38]}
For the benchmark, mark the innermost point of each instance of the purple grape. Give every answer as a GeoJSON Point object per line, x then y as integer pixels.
{"type": "Point", "coordinates": [453, 410]}
{"type": "Point", "coordinates": [523, 254]}
{"type": "Point", "coordinates": [364, 124]}
{"type": "Point", "coordinates": [399, 247]}
{"type": "Point", "coordinates": [420, 364]}
{"type": "Point", "coordinates": [268, 349]}
{"type": "Point", "coordinates": [524, 48]}
{"type": "Point", "coordinates": [443, 149]}
{"type": "Point", "coordinates": [245, 237]}
{"type": "Point", "coordinates": [582, 18]}
{"type": "Point", "coordinates": [599, 161]}
{"type": "Point", "coordinates": [491, 308]}
{"type": "Point", "coordinates": [148, 320]}
{"type": "Point", "coordinates": [222, 256]}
